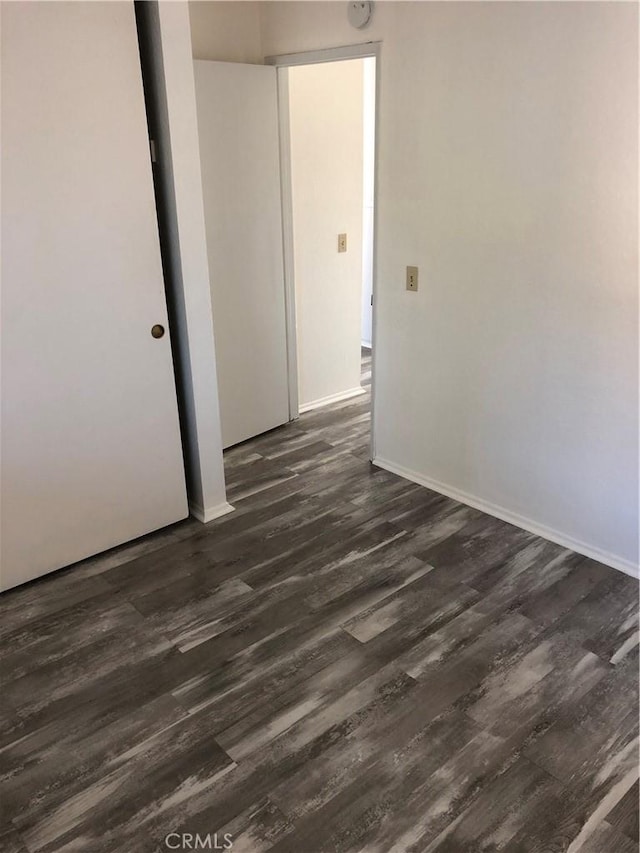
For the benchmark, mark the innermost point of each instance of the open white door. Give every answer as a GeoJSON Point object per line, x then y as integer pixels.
{"type": "Point", "coordinates": [91, 452]}
{"type": "Point", "coordinates": [239, 152]}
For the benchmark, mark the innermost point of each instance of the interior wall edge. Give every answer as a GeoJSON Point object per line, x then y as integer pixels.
{"type": "Point", "coordinates": [179, 173]}
{"type": "Point", "coordinates": [332, 398]}
{"type": "Point", "coordinates": [207, 514]}
{"type": "Point", "coordinates": [628, 567]}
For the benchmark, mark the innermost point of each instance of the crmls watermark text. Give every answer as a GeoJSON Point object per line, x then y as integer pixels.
{"type": "Point", "coordinates": [195, 841]}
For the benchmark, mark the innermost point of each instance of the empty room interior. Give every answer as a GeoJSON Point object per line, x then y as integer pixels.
{"type": "Point", "coordinates": [335, 545]}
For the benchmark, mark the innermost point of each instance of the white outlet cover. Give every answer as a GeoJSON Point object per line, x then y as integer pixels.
{"type": "Point", "coordinates": [359, 13]}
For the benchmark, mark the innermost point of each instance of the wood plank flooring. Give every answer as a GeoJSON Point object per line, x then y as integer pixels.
{"type": "Point", "coordinates": [348, 662]}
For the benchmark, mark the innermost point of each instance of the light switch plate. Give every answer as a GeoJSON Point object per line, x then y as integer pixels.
{"type": "Point", "coordinates": [412, 278]}
{"type": "Point", "coordinates": [342, 242]}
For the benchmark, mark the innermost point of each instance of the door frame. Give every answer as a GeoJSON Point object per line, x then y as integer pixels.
{"type": "Point", "coordinates": [282, 63]}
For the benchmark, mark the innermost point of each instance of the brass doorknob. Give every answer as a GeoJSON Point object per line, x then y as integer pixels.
{"type": "Point", "coordinates": [157, 331]}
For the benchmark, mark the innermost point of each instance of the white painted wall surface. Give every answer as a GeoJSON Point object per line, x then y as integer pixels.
{"type": "Point", "coordinates": [179, 159]}
{"type": "Point", "coordinates": [508, 142]}
{"type": "Point", "coordinates": [368, 183]}
{"type": "Point", "coordinates": [225, 30]}
{"type": "Point", "coordinates": [326, 114]}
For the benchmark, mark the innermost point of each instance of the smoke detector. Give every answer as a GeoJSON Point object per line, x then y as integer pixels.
{"type": "Point", "coordinates": [359, 13]}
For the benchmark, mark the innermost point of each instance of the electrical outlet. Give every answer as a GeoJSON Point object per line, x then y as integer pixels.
{"type": "Point", "coordinates": [342, 242]}
{"type": "Point", "coordinates": [412, 278]}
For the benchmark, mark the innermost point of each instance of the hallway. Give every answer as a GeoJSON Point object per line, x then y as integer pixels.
{"type": "Point", "coordinates": [347, 662]}
{"type": "Point", "coordinates": [328, 436]}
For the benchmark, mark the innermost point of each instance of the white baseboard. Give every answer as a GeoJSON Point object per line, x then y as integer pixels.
{"type": "Point", "coordinates": [619, 563]}
{"type": "Point", "coordinates": [332, 398]}
{"type": "Point", "coordinates": [210, 513]}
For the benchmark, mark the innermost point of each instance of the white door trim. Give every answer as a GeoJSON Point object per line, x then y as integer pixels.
{"type": "Point", "coordinates": [330, 54]}
{"type": "Point", "coordinates": [284, 133]}
{"type": "Point", "coordinates": [282, 64]}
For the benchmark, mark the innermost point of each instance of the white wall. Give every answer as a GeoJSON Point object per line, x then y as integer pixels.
{"type": "Point", "coordinates": [326, 114]}
{"type": "Point", "coordinates": [508, 173]}
{"type": "Point", "coordinates": [171, 66]}
{"type": "Point", "coordinates": [368, 185]}
{"type": "Point", "coordinates": [226, 31]}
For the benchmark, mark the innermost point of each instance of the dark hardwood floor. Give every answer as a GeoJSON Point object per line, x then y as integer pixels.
{"type": "Point", "coordinates": [348, 662]}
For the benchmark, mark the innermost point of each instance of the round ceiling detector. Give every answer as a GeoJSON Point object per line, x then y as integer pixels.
{"type": "Point", "coordinates": [359, 14]}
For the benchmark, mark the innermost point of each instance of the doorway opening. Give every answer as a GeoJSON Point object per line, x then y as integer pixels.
{"type": "Point", "coordinates": [287, 154]}
{"type": "Point", "coordinates": [326, 103]}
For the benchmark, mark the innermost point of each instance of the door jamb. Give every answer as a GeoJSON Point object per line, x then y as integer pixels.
{"type": "Point", "coordinates": [286, 194]}
{"type": "Point", "coordinates": [282, 63]}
